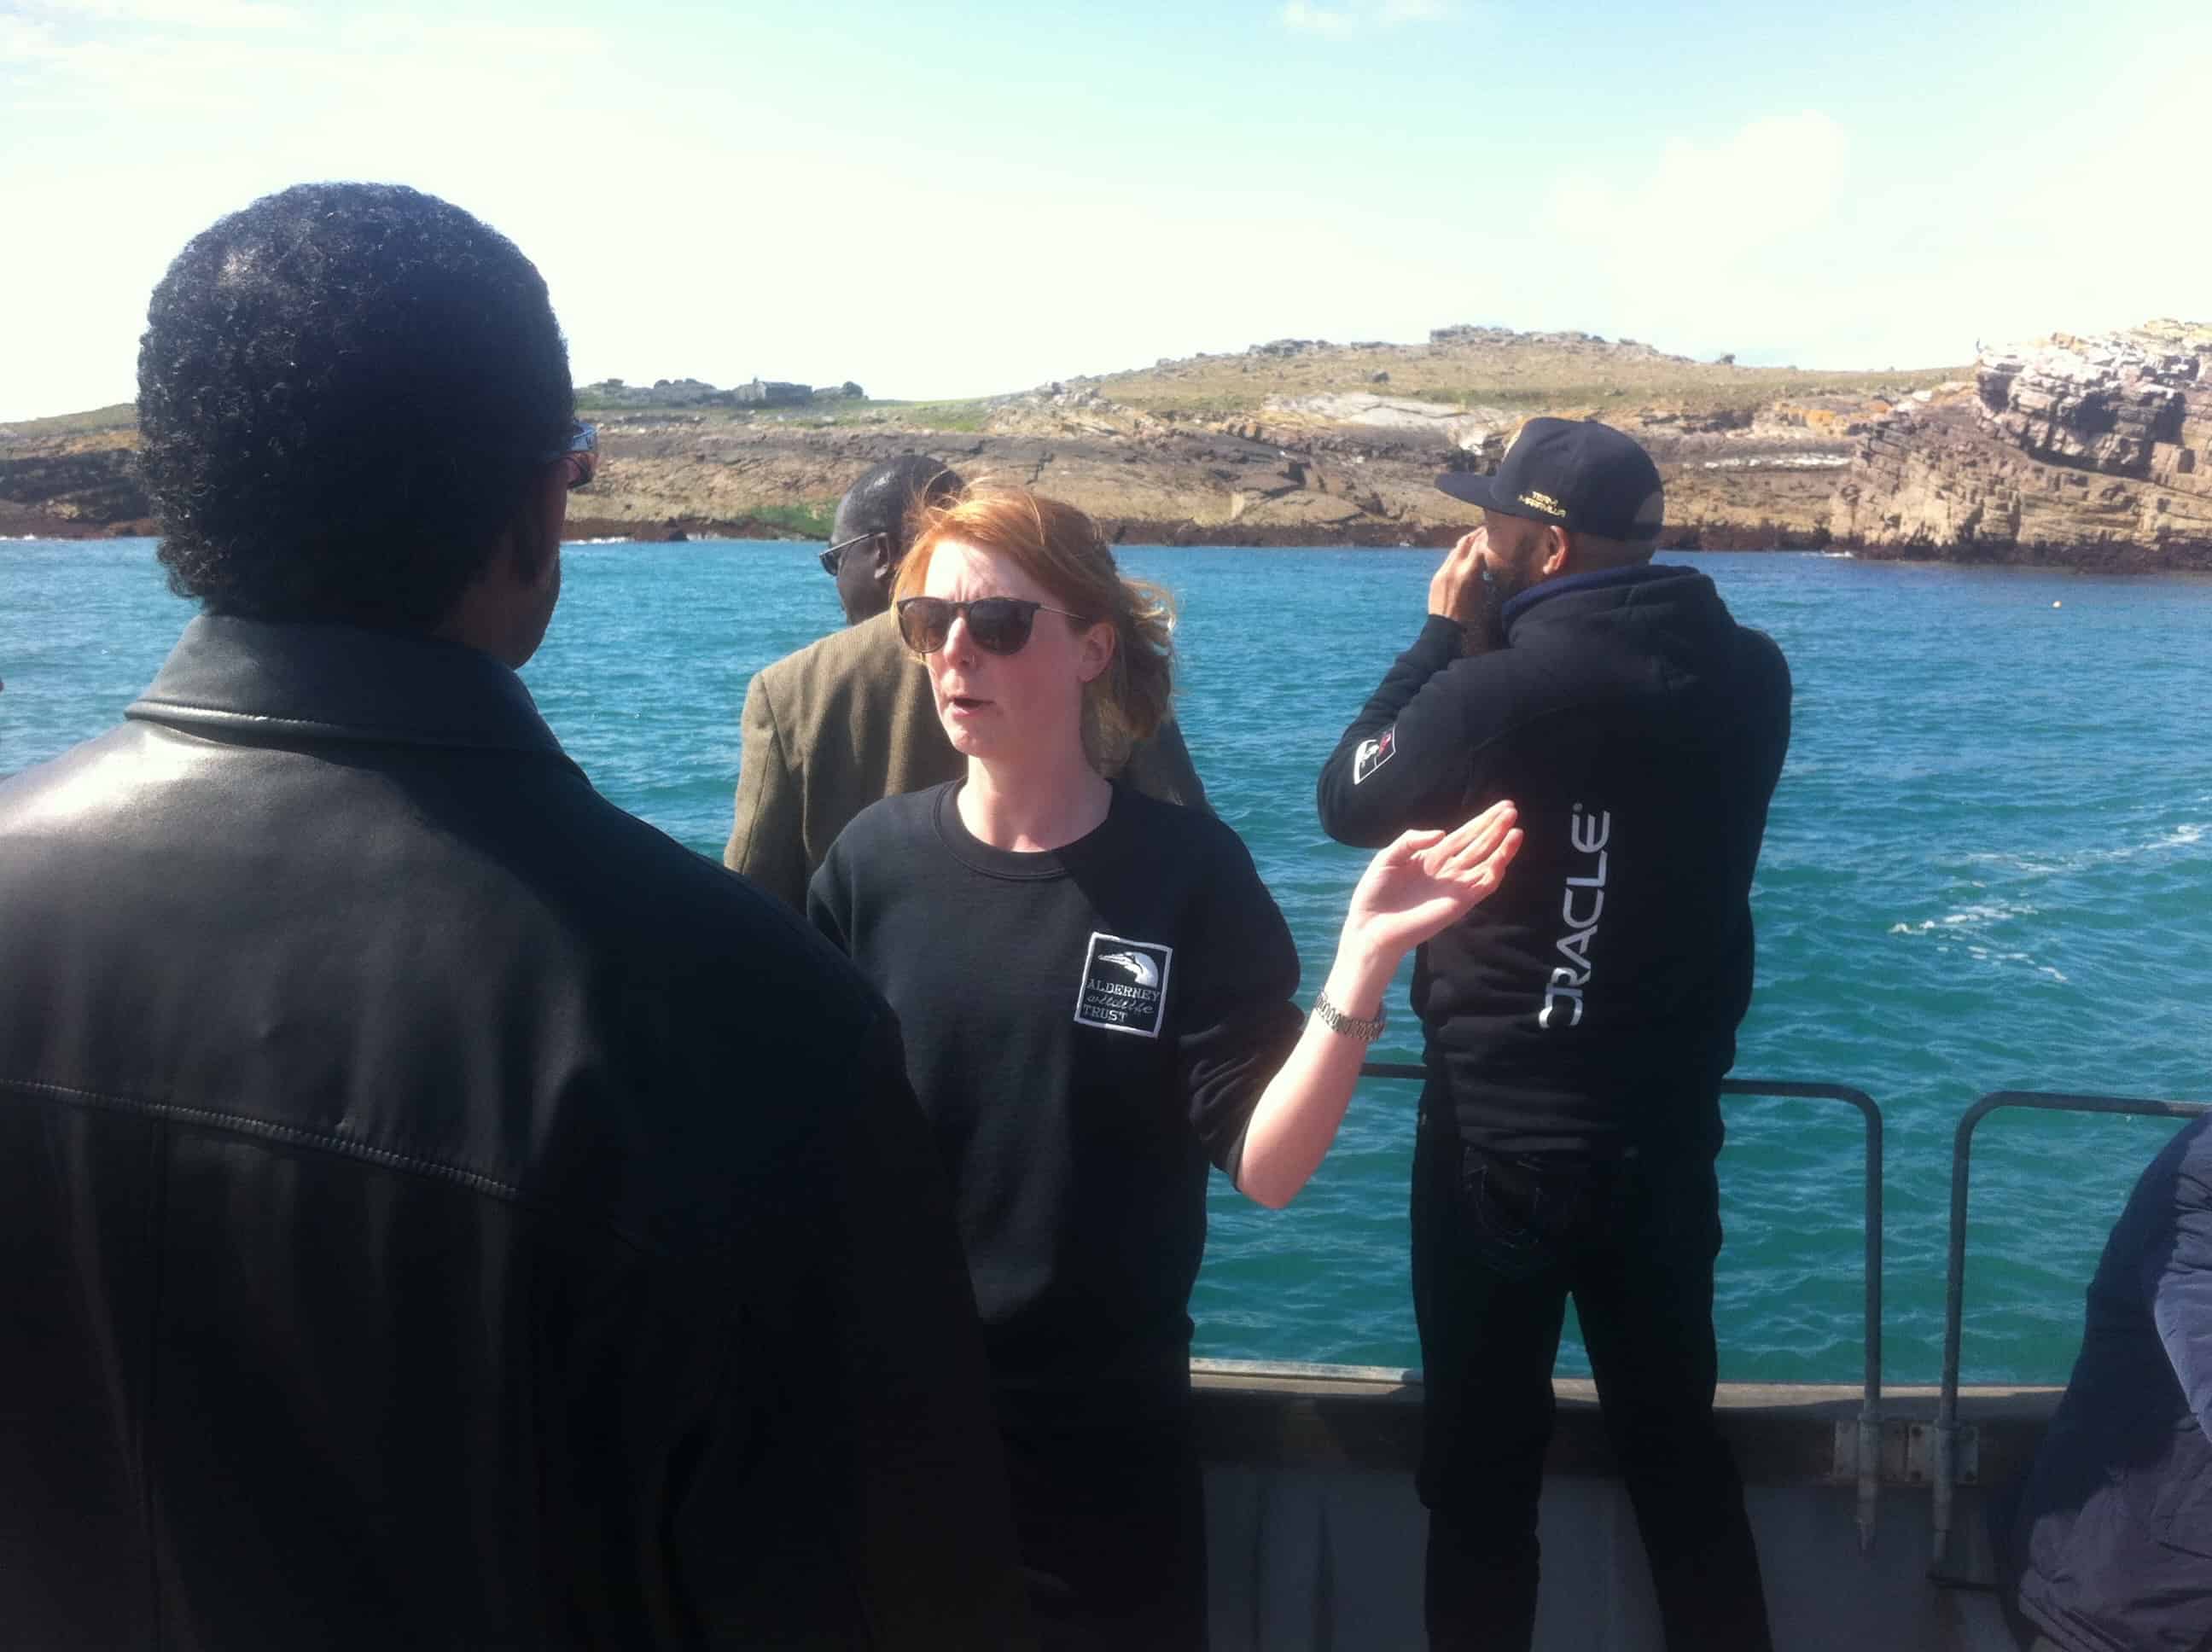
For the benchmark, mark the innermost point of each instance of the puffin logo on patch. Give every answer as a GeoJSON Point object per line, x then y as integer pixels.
{"type": "Point", "coordinates": [1125, 984]}
{"type": "Point", "coordinates": [1373, 754]}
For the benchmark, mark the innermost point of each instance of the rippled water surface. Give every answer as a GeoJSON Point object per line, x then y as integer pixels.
{"type": "Point", "coordinates": [1987, 867]}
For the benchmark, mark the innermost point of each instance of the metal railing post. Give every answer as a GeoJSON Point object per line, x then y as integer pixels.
{"type": "Point", "coordinates": [1955, 1277]}
{"type": "Point", "coordinates": [1869, 1431]}
{"type": "Point", "coordinates": [1868, 1464]}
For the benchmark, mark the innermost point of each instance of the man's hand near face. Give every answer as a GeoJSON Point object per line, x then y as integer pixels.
{"type": "Point", "coordinates": [1456, 590]}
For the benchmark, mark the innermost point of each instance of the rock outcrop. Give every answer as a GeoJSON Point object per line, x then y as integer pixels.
{"type": "Point", "coordinates": [2090, 452]}
{"type": "Point", "coordinates": [70, 487]}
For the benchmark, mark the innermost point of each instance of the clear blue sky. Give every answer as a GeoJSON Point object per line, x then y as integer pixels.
{"type": "Point", "coordinates": [941, 201]}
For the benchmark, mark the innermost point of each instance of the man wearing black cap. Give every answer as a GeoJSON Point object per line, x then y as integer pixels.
{"type": "Point", "coordinates": [1577, 1024]}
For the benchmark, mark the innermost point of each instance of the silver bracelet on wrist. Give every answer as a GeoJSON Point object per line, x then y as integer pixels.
{"type": "Point", "coordinates": [1350, 1026]}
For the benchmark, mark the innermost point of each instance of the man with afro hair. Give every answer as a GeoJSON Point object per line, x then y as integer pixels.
{"type": "Point", "coordinates": [440, 1209]}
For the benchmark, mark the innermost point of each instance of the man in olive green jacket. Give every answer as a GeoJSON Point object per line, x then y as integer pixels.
{"type": "Point", "coordinates": [850, 719]}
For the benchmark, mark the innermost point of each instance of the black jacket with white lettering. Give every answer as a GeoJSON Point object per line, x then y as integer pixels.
{"type": "Point", "coordinates": [1591, 1004]}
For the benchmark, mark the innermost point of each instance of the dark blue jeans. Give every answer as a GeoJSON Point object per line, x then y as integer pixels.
{"type": "Point", "coordinates": [1499, 1243]}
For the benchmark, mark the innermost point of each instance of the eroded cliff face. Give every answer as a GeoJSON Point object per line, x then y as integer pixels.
{"type": "Point", "coordinates": [2091, 452]}
{"type": "Point", "coordinates": [70, 487]}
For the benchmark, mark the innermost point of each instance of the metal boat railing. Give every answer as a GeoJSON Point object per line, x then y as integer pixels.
{"type": "Point", "coordinates": [1862, 1452]}
{"type": "Point", "coordinates": [1954, 1286]}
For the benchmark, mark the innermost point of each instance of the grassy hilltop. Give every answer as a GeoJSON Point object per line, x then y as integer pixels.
{"type": "Point", "coordinates": [1523, 372]}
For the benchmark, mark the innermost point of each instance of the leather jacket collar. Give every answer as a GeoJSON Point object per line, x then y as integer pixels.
{"type": "Point", "coordinates": [230, 678]}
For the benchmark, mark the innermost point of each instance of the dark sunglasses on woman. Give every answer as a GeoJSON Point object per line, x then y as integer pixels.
{"type": "Point", "coordinates": [999, 625]}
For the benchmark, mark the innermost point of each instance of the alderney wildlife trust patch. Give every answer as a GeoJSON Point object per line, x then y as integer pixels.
{"type": "Point", "coordinates": [1125, 984]}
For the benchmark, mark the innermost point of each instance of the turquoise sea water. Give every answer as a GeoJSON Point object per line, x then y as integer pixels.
{"type": "Point", "coordinates": [1988, 866]}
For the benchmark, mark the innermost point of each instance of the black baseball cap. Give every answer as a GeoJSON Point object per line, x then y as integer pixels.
{"type": "Point", "coordinates": [1575, 474]}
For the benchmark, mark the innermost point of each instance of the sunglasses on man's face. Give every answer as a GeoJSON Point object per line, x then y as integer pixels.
{"type": "Point", "coordinates": [999, 625]}
{"type": "Point", "coordinates": [581, 455]}
{"type": "Point", "coordinates": [835, 553]}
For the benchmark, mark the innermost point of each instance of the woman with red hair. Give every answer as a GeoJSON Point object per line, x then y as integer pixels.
{"type": "Point", "coordinates": [1095, 989]}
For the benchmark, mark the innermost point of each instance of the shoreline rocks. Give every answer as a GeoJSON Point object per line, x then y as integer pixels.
{"type": "Point", "coordinates": [2094, 453]}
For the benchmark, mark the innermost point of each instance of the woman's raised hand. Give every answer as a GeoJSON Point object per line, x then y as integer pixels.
{"type": "Point", "coordinates": [1427, 881]}
{"type": "Point", "coordinates": [1421, 883]}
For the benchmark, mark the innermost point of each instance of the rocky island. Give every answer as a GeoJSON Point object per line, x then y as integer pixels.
{"type": "Point", "coordinates": [2095, 452]}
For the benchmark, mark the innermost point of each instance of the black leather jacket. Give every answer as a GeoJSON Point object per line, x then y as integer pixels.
{"type": "Point", "coordinates": [439, 1210]}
